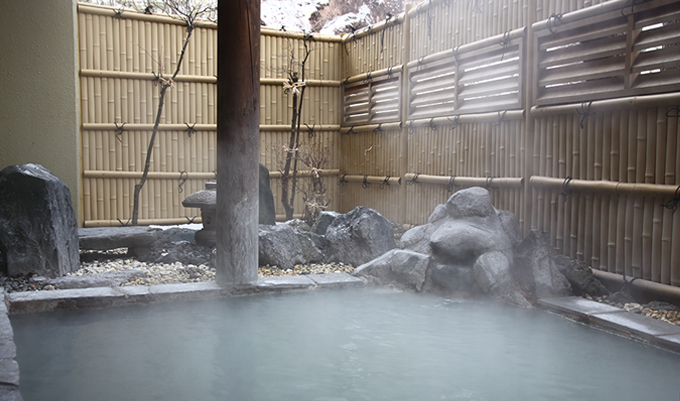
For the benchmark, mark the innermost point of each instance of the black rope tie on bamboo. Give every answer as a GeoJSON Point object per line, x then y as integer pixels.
{"type": "Point", "coordinates": [410, 127]}
{"type": "Point", "coordinates": [382, 35]}
{"type": "Point", "coordinates": [367, 80]}
{"type": "Point", "coordinates": [119, 131]}
{"type": "Point", "coordinates": [489, 181]}
{"type": "Point", "coordinates": [156, 78]}
{"type": "Point", "coordinates": [190, 129]}
{"type": "Point", "coordinates": [670, 114]}
{"type": "Point", "coordinates": [433, 126]}
{"type": "Point", "coordinates": [342, 180]}
{"type": "Point", "coordinates": [352, 37]}
{"type": "Point", "coordinates": [351, 131]}
{"type": "Point", "coordinates": [501, 117]}
{"type": "Point", "coordinates": [386, 181]}
{"type": "Point", "coordinates": [190, 220]}
{"type": "Point", "coordinates": [554, 18]}
{"type": "Point", "coordinates": [311, 134]}
{"type": "Point", "coordinates": [455, 123]}
{"type": "Point", "coordinates": [365, 184]}
{"type": "Point", "coordinates": [565, 192]}
{"type": "Point", "coordinates": [505, 43]}
{"type": "Point", "coordinates": [118, 14]}
{"type": "Point", "coordinates": [673, 203]}
{"type": "Point", "coordinates": [585, 113]}
{"type": "Point", "coordinates": [632, 7]}
{"type": "Point", "coordinates": [183, 176]}
{"type": "Point", "coordinates": [451, 186]}
{"type": "Point", "coordinates": [378, 130]}
{"type": "Point", "coordinates": [413, 180]}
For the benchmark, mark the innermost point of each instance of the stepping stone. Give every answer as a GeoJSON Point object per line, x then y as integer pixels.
{"type": "Point", "coordinates": [104, 238]}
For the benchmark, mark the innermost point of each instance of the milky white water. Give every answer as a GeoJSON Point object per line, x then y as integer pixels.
{"type": "Point", "coordinates": [352, 344]}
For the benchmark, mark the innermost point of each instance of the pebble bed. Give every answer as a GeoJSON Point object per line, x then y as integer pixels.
{"type": "Point", "coordinates": [161, 273]}
{"type": "Point", "coordinates": [656, 310]}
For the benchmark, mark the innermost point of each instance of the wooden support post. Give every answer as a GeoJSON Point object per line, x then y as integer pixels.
{"type": "Point", "coordinates": [238, 140]}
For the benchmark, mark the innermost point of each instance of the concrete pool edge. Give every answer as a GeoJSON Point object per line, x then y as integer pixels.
{"type": "Point", "coordinates": [617, 321]}
{"type": "Point", "coordinates": [95, 297]}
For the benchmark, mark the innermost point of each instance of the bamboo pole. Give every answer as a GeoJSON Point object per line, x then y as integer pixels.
{"type": "Point", "coordinates": [668, 216]}
{"type": "Point", "coordinates": [623, 103]}
{"type": "Point", "coordinates": [404, 158]}
{"type": "Point", "coordinates": [604, 187]}
{"type": "Point", "coordinates": [493, 182]}
{"type": "Point", "coordinates": [675, 248]}
{"type": "Point", "coordinates": [144, 222]}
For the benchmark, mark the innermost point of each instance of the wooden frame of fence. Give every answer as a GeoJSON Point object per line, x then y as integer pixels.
{"type": "Point", "coordinates": [574, 132]}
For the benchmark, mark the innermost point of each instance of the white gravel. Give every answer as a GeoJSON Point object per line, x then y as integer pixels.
{"type": "Point", "coordinates": [171, 273]}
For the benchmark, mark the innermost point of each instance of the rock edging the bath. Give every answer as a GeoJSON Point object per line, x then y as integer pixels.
{"type": "Point", "coordinates": [468, 248]}
{"type": "Point", "coordinates": [9, 369]}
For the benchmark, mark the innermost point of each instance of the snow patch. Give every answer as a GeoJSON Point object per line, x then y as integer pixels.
{"type": "Point", "coordinates": [292, 15]}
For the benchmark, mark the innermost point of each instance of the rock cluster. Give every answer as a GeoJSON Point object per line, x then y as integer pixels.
{"type": "Point", "coordinates": [469, 248]}
{"type": "Point", "coordinates": [353, 238]}
{"type": "Point", "coordinates": [37, 223]}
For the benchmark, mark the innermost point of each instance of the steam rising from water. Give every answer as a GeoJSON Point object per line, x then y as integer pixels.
{"type": "Point", "coordinates": [359, 344]}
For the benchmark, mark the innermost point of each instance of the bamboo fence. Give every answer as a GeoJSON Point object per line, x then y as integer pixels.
{"type": "Point", "coordinates": [120, 57]}
{"type": "Point", "coordinates": [565, 110]}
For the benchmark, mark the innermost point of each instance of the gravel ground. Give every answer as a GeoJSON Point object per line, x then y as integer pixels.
{"type": "Point", "coordinates": [158, 273]}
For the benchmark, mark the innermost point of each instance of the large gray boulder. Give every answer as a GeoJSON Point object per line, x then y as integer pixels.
{"type": "Point", "coordinates": [535, 269]}
{"type": "Point", "coordinates": [285, 246]}
{"type": "Point", "coordinates": [417, 239]}
{"type": "Point", "coordinates": [463, 241]}
{"type": "Point", "coordinates": [402, 269]}
{"type": "Point", "coordinates": [38, 229]}
{"type": "Point", "coordinates": [359, 237]}
{"type": "Point", "coordinates": [493, 274]}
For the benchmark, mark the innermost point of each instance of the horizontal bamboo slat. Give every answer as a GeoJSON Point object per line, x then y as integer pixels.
{"type": "Point", "coordinates": [606, 187]}
{"type": "Point", "coordinates": [489, 182]}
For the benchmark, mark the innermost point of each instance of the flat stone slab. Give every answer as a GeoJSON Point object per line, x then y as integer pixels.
{"type": "Point", "coordinates": [669, 342]}
{"type": "Point", "coordinates": [284, 283]}
{"type": "Point", "coordinates": [335, 280]}
{"type": "Point", "coordinates": [107, 279]}
{"type": "Point", "coordinates": [576, 307]}
{"type": "Point", "coordinates": [41, 301]}
{"type": "Point", "coordinates": [200, 290]}
{"type": "Point", "coordinates": [103, 238]}
{"type": "Point", "coordinates": [637, 326]}
{"type": "Point", "coordinates": [610, 318]}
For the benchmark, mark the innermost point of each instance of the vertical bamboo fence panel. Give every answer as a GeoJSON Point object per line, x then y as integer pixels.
{"type": "Point", "coordinates": [567, 111]}
{"type": "Point", "coordinates": [120, 56]}
{"type": "Point", "coordinates": [570, 152]}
